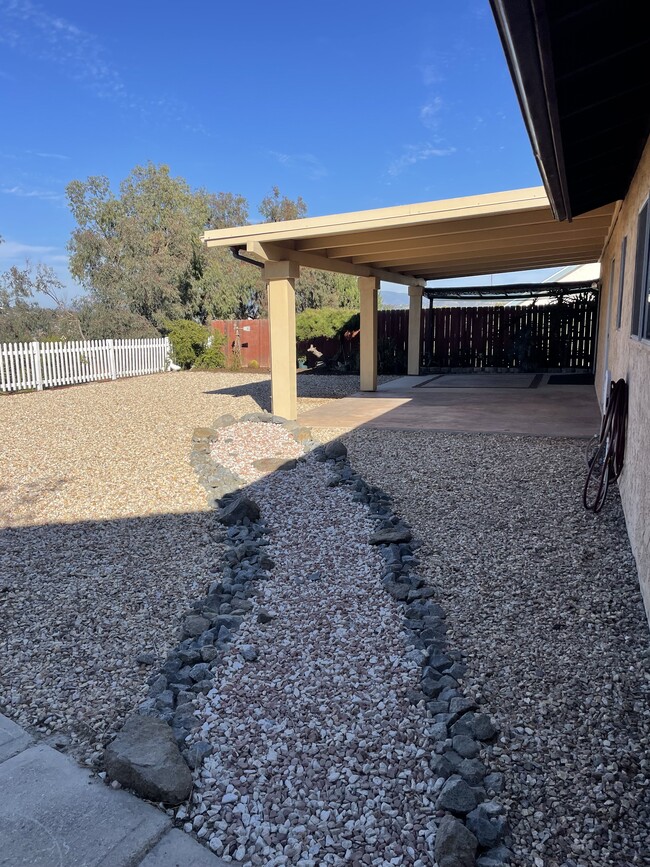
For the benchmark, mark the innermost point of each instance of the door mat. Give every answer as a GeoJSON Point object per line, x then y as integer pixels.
{"type": "Point", "coordinates": [571, 379]}
{"type": "Point", "coordinates": [482, 380]}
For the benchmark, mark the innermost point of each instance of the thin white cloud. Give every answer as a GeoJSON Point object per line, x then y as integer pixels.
{"type": "Point", "coordinates": [33, 193]}
{"type": "Point", "coordinates": [32, 30]}
{"type": "Point", "coordinates": [430, 111]}
{"type": "Point", "coordinates": [306, 164]}
{"type": "Point", "coordinates": [48, 156]}
{"type": "Point", "coordinates": [15, 249]}
{"type": "Point", "coordinates": [413, 154]}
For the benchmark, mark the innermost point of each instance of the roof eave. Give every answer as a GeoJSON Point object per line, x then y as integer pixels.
{"type": "Point", "coordinates": [524, 36]}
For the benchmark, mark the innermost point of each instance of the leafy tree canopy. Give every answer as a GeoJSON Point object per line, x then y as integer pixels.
{"type": "Point", "coordinates": [275, 208]}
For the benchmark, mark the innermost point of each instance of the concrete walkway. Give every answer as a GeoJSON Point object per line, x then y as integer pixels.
{"type": "Point", "coordinates": [54, 813]}
{"type": "Point", "coordinates": [503, 403]}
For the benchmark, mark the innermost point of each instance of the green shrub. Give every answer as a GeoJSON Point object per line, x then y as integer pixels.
{"type": "Point", "coordinates": [213, 356]}
{"type": "Point", "coordinates": [188, 341]}
{"type": "Point", "coordinates": [253, 365]}
{"type": "Point", "coordinates": [325, 322]}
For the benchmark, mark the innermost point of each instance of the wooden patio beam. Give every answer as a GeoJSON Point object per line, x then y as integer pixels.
{"type": "Point", "coordinates": [278, 253]}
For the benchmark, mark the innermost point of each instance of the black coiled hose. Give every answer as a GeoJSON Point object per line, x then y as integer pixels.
{"type": "Point", "coordinates": [606, 452]}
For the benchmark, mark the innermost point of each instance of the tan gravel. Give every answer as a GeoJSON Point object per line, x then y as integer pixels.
{"type": "Point", "coordinates": [106, 538]}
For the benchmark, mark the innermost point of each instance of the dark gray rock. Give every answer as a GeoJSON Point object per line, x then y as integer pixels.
{"type": "Point", "coordinates": [189, 656]}
{"type": "Point", "coordinates": [144, 757]}
{"type": "Point", "coordinates": [464, 726]}
{"type": "Point", "coordinates": [194, 625]}
{"type": "Point", "coordinates": [264, 616]}
{"type": "Point", "coordinates": [465, 746]}
{"type": "Point", "coordinates": [457, 797]}
{"type": "Point", "coordinates": [237, 509]}
{"type": "Point", "coordinates": [203, 686]}
{"type": "Point", "coordinates": [461, 705]}
{"type": "Point", "coordinates": [146, 658]}
{"type": "Point", "coordinates": [248, 652]}
{"type": "Point", "coordinates": [335, 450]}
{"type": "Point", "coordinates": [472, 771]}
{"type": "Point", "coordinates": [439, 661]}
{"type": "Point", "coordinates": [438, 732]}
{"type": "Point", "coordinates": [488, 831]}
{"type": "Point", "coordinates": [171, 666]}
{"type": "Point", "coordinates": [390, 536]}
{"type": "Point", "coordinates": [158, 685]}
{"type": "Point", "coordinates": [208, 653]}
{"type": "Point", "coordinates": [457, 670]}
{"type": "Point", "coordinates": [494, 783]}
{"type": "Point", "coordinates": [197, 753]}
{"type": "Point", "coordinates": [496, 857]}
{"type": "Point", "coordinates": [441, 766]}
{"type": "Point", "coordinates": [484, 728]}
{"type": "Point", "coordinates": [165, 699]}
{"type": "Point", "coordinates": [454, 759]}
{"type": "Point", "coordinates": [455, 844]}
{"type": "Point", "coordinates": [200, 671]}
{"type": "Point", "coordinates": [399, 592]}
{"type": "Point", "coordinates": [437, 707]}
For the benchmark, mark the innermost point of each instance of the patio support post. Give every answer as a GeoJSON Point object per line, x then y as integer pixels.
{"type": "Point", "coordinates": [415, 328]}
{"type": "Point", "coordinates": [368, 292]}
{"type": "Point", "coordinates": [280, 280]}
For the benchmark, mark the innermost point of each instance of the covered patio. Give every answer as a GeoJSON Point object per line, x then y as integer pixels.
{"type": "Point", "coordinates": [409, 245]}
{"type": "Point", "coordinates": [519, 403]}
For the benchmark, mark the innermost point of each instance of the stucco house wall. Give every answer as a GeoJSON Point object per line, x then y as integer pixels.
{"type": "Point", "coordinates": [628, 357]}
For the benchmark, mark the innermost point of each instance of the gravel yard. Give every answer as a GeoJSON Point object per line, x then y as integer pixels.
{"type": "Point", "coordinates": [106, 537]}
{"type": "Point", "coordinates": [543, 598]}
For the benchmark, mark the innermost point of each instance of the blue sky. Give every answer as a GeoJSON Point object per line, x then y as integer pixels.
{"type": "Point", "coordinates": [351, 105]}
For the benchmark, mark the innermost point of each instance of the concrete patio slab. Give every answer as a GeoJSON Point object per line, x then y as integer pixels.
{"type": "Point", "coordinates": [13, 739]}
{"type": "Point", "coordinates": [177, 849]}
{"type": "Point", "coordinates": [53, 814]}
{"type": "Point", "coordinates": [556, 410]}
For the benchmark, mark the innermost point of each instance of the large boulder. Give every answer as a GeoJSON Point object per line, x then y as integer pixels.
{"type": "Point", "coordinates": [144, 757]}
{"type": "Point", "coordinates": [455, 844]}
{"type": "Point", "coordinates": [335, 450]}
{"type": "Point", "coordinates": [237, 509]}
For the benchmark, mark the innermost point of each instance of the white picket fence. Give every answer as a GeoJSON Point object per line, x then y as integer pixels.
{"type": "Point", "coordinates": [26, 366]}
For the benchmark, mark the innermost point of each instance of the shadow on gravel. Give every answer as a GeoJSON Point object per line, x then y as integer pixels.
{"type": "Point", "coordinates": [79, 602]}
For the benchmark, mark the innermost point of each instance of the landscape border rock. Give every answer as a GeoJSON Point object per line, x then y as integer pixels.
{"type": "Point", "coordinates": [144, 757]}
{"type": "Point", "coordinates": [461, 730]}
{"type": "Point", "coordinates": [208, 627]}
{"type": "Point", "coordinates": [206, 630]}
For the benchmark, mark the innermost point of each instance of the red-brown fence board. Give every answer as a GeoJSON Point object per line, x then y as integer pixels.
{"type": "Point", "coordinates": [555, 336]}
{"type": "Point", "coordinates": [250, 336]}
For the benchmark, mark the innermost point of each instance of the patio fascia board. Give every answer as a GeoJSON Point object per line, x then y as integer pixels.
{"type": "Point", "coordinates": [404, 215]}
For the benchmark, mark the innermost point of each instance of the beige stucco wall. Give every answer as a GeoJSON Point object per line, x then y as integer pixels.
{"type": "Point", "coordinates": [629, 358]}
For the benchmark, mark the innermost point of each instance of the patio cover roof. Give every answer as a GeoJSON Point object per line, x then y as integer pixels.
{"type": "Point", "coordinates": [485, 234]}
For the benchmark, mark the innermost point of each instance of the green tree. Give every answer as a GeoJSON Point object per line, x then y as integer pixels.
{"type": "Point", "coordinates": [314, 288]}
{"type": "Point", "coordinates": [141, 251]}
{"type": "Point", "coordinates": [21, 318]}
{"type": "Point", "coordinates": [226, 209]}
{"type": "Point", "coordinates": [275, 208]}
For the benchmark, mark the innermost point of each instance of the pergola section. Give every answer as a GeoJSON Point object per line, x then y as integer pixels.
{"type": "Point", "coordinates": [411, 244]}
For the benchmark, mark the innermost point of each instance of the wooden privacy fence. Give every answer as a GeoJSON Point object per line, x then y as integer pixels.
{"type": "Point", "coordinates": [37, 365]}
{"type": "Point", "coordinates": [548, 337]}
{"type": "Point", "coordinates": [247, 340]}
